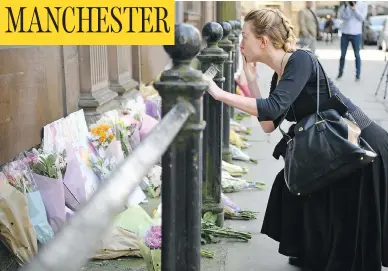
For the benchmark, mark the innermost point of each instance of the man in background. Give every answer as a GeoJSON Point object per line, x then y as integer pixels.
{"type": "Point", "coordinates": [353, 14]}
{"type": "Point", "coordinates": [309, 27]}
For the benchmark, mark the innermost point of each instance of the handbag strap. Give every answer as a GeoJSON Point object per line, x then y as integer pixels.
{"type": "Point", "coordinates": [318, 82]}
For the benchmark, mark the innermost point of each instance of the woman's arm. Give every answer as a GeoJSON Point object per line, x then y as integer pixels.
{"type": "Point", "coordinates": [246, 104]}
{"type": "Point", "coordinates": [267, 126]}
{"type": "Point", "coordinates": [297, 72]}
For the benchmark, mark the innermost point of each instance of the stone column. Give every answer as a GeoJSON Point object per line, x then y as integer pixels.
{"type": "Point", "coordinates": [95, 95]}
{"type": "Point", "coordinates": [228, 10]}
{"type": "Point", "coordinates": [120, 72]}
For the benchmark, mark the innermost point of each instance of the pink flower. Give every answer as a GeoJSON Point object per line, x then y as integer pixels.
{"type": "Point", "coordinates": [153, 238]}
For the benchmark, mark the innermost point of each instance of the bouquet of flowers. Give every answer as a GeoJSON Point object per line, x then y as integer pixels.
{"type": "Point", "coordinates": [150, 248]}
{"type": "Point", "coordinates": [122, 129]}
{"type": "Point", "coordinates": [50, 165]}
{"type": "Point", "coordinates": [19, 176]}
{"type": "Point", "coordinates": [152, 182]}
{"type": "Point", "coordinates": [101, 135]}
{"type": "Point", "coordinates": [48, 171]}
{"type": "Point", "coordinates": [210, 232]}
{"type": "Point", "coordinates": [232, 211]}
{"type": "Point", "coordinates": [16, 230]}
{"type": "Point", "coordinates": [133, 123]}
{"type": "Point", "coordinates": [101, 165]}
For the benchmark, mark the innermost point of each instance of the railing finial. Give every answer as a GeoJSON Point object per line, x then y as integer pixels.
{"type": "Point", "coordinates": [187, 43]}
{"type": "Point", "coordinates": [212, 32]}
{"type": "Point", "coordinates": [227, 28]}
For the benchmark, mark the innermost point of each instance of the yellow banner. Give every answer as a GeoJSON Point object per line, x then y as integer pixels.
{"type": "Point", "coordinates": [87, 22]}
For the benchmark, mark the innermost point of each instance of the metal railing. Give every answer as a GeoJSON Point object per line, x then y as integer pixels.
{"type": "Point", "coordinates": [185, 162]}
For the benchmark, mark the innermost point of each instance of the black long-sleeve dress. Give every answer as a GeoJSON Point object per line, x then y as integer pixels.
{"type": "Point", "coordinates": [345, 226]}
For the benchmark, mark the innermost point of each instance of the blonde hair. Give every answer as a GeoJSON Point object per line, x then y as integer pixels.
{"type": "Point", "coordinates": [273, 24]}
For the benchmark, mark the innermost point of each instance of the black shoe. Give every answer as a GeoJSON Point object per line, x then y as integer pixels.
{"type": "Point", "coordinates": [357, 78]}
{"type": "Point", "coordinates": [339, 75]}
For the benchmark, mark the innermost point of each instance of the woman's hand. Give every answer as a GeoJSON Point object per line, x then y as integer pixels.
{"type": "Point", "coordinates": [249, 69]}
{"type": "Point", "coordinates": [213, 90]}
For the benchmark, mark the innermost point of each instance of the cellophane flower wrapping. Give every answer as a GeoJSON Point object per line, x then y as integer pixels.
{"type": "Point", "coordinates": [147, 125]}
{"type": "Point", "coordinates": [133, 115]}
{"type": "Point", "coordinates": [152, 181]}
{"type": "Point", "coordinates": [100, 136]}
{"type": "Point", "coordinates": [48, 171]}
{"type": "Point", "coordinates": [154, 106]}
{"type": "Point", "coordinates": [150, 248]}
{"type": "Point", "coordinates": [16, 230]}
{"type": "Point", "coordinates": [19, 175]}
{"type": "Point", "coordinates": [107, 149]}
{"type": "Point", "coordinates": [73, 181]}
{"type": "Point", "coordinates": [121, 129]}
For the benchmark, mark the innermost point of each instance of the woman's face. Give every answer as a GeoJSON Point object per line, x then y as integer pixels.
{"type": "Point", "coordinates": [251, 47]}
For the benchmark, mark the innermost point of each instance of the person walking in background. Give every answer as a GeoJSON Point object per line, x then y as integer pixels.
{"type": "Point", "coordinates": [353, 14]}
{"type": "Point", "coordinates": [309, 27]}
{"type": "Point", "coordinates": [329, 25]}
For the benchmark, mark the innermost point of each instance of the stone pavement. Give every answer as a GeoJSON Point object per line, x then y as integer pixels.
{"type": "Point", "coordinates": [260, 253]}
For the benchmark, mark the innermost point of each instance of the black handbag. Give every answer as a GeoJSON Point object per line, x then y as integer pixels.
{"type": "Point", "coordinates": [326, 147]}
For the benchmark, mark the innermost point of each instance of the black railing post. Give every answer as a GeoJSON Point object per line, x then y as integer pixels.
{"type": "Point", "coordinates": [237, 44]}
{"type": "Point", "coordinates": [232, 37]}
{"type": "Point", "coordinates": [182, 162]}
{"type": "Point", "coordinates": [227, 46]}
{"type": "Point", "coordinates": [214, 56]}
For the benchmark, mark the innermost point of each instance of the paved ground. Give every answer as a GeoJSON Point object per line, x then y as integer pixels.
{"type": "Point", "coordinates": [261, 252]}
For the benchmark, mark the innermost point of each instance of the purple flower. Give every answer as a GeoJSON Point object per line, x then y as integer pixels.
{"type": "Point", "coordinates": [153, 237]}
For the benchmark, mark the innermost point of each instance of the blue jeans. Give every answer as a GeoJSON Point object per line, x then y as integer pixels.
{"type": "Point", "coordinates": [355, 40]}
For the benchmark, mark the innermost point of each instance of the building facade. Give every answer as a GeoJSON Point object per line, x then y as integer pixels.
{"type": "Point", "coordinates": [40, 84]}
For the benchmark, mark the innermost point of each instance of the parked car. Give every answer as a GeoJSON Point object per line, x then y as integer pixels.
{"type": "Point", "coordinates": [382, 42]}
{"type": "Point", "coordinates": [372, 28]}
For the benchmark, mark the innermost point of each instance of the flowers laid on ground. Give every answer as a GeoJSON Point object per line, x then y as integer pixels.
{"type": "Point", "coordinates": [151, 248]}
{"type": "Point", "coordinates": [40, 176]}
{"type": "Point", "coordinates": [102, 166]}
{"type": "Point", "coordinates": [238, 154]}
{"type": "Point", "coordinates": [211, 232]}
{"type": "Point", "coordinates": [234, 170]}
{"type": "Point", "coordinates": [231, 211]}
{"type": "Point", "coordinates": [232, 184]}
{"type": "Point", "coordinates": [50, 165]}
{"type": "Point", "coordinates": [101, 135]}
{"type": "Point", "coordinates": [153, 238]}
{"type": "Point", "coordinates": [19, 176]}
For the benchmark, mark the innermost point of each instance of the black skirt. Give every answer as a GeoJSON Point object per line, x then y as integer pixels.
{"type": "Point", "coordinates": [341, 228]}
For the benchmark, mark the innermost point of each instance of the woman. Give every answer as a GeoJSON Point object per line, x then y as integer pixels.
{"type": "Point", "coordinates": [345, 226]}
